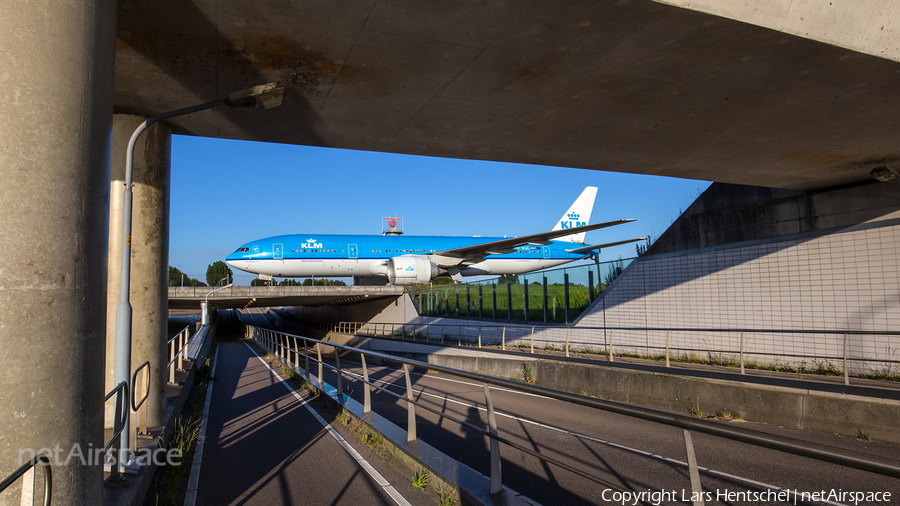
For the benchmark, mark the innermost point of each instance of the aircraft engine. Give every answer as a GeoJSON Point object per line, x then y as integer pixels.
{"type": "Point", "coordinates": [411, 269]}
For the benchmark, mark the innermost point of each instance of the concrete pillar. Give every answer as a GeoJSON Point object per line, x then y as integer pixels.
{"type": "Point", "coordinates": [56, 97]}
{"type": "Point", "coordinates": [149, 258]}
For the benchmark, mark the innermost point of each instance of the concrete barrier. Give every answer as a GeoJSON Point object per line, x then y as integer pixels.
{"type": "Point", "coordinates": [799, 408]}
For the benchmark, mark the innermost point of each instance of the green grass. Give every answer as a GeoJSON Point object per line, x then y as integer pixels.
{"type": "Point", "coordinates": [420, 479]}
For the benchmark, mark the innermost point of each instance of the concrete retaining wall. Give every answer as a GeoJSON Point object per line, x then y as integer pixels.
{"type": "Point", "coordinates": [799, 408]}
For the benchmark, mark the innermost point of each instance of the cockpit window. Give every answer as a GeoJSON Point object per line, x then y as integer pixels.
{"type": "Point", "coordinates": [243, 250]}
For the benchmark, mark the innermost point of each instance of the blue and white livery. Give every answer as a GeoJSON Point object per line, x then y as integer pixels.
{"type": "Point", "coordinates": [407, 260]}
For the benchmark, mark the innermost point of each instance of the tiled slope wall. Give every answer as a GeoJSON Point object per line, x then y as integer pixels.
{"type": "Point", "coordinates": [839, 280]}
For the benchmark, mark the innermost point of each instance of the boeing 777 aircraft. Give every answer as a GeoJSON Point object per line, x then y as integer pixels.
{"type": "Point", "coordinates": [407, 260]}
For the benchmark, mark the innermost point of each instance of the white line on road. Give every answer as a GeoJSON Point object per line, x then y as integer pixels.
{"type": "Point", "coordinates": [576, 434]}
{"type": "Point", "coordinates": [386, 485]}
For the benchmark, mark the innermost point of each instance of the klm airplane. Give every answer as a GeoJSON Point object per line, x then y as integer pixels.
{"type": "Point", "coordinates": [407, 260]}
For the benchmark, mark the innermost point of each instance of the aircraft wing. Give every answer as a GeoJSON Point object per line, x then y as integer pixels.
{"type": "Point", "coordinates": [585, 249]}
{"type": "Point", "coordinates": [451, 257]}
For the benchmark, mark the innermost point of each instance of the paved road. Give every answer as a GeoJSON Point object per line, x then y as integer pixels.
{"type": "Point", "coordinates": [264, 446]}
{"type": "Point", "coordinates": [632, 453]}
{"type": "Point", "coordinates": [638, 455]}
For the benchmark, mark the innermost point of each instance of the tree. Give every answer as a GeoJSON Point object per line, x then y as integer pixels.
{"type": "Point", "coordinates": [642, 248]}
{"type": "Point", "coordinates": [178, 278]}
{"type": "Point", "coordinates": [218, 273]}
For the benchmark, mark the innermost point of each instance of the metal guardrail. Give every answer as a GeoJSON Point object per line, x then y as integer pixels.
{"type": "Point", "coordinates": [605, 341]}
{"type": "Point", "coordinates": [27, 470]}
{"type": "Point", "coordinates": [121, 420]}
{"type": "Point", "coordinates": [287, 348]}
{"type": "Point", "coordinates": [177, 347]}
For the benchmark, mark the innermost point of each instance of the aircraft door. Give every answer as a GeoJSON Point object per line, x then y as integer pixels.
{"type": "Point", "coordinates": [352, 251]}
{"type": "Point", "coordinates": [546, 250]}
{"type": "Point", "coordinates": [277, 251]}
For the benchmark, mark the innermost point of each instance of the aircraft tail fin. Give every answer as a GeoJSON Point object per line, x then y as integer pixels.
{"type": "Point", "coordinates": [579, 214]}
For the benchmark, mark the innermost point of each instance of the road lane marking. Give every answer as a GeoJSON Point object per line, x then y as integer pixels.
{"type": "Point", "coordinates": [386, 485]}
{"type": "Point", "coordinates": [579, 435]}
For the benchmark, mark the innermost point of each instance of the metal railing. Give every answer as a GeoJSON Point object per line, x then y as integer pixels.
{"type": "Point", "coordinates": [177, 347]}
{"type": "Point", "coordinates": [287, 349]}
{"type": "Point", "coordinates": [119, 424]}
{"type": "Point", "coordinates": [347, 327]}
{"type": "Point", "coordinates": [836, 352]}
{"type": "Point", "coordinates": [27, 473]}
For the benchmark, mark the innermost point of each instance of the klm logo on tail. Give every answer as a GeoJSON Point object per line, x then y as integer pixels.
{"type": "Point", "coordinates": [572, 221]}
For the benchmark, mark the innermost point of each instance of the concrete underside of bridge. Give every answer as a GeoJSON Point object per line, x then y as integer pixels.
{"type": "Point", "coordinates": [622, 85]}
{"type": "Point", "coordinates": [276, 296]}
{"type": "Point", "coordinates": [628, 86]}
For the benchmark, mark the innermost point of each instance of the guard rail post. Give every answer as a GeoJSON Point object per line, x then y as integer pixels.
{"type": "Point", "coordinates": [532, 340]}
{"type": "Point", "coordinates": [610, 345]}
{"type": "Point", "coordinates": [496, 477]}
{"type": "Point", "coordinates": [667, 350]}
{"type": "Point", "coordinates": [367, 389]}
{"type": "Point", "coordinates": [340, 381]}
{"type": "Point", "coordinates": [567, 342]}
{"type": "Point", "coordinates": [306, 358]}
{"type": "Point", "coordinates": [179, 363]}
{"type": "Point", "coordinates": [503, 339]}
{"type": "Point", "coordinates": [410, 407]}
{"type": "Point", "coordinates": [846, 369]}
{"type": "Point", "coordinates": [696, 489]}
{"type": "Point", "coordinates": [321, 380]}
{"type": "Point", "coordinates": [742, 352]}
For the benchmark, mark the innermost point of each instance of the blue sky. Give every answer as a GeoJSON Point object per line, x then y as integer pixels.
{"type": "Point", "coordinates": [226, 193]}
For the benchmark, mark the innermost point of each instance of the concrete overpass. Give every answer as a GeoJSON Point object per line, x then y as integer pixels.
{"type": "Point", "coordinates": [191, 297]}
{"type": "Point", "coordinates": [631, 86]}
{"type": "Point", "coordinates": [628, 86]}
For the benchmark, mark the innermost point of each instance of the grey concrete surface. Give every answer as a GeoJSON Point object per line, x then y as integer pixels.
{"type": "Point", "coordinates": [149, 256]}
{"type": "Point", "coordinates": [727, 214]}
{"type": "Point", "coordinates": [284, 456]}
{"type": "Point", "coordinates": [780, 403]}
{"type": "Point", "coordinates": [628, 86]}
{"type": "Point", "coordinates": [265, 296]}
{"type": "Point", "coordinates": [633, 453]}
{"type": "Point", "coordinates": [56, 94]}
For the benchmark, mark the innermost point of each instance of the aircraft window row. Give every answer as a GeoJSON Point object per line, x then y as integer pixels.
{"type": "Point", "coordinates": [243, 250]}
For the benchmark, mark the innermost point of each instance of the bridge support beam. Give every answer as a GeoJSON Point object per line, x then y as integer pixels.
{"type": "Point", "coordinates": [56, 91]}
{"type": "Point", "coordinates": [149, 257]}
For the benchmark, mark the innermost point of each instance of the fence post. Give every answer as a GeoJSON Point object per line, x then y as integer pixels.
{"type": "Point", "coordinates": [340, 379]}
{"type": "Point", "coordinates": [180, 362]}
{"type": "Point", "coordinates": [496, 477]}
{"type": "Point", "coordinates": [503, 339]}
{"type": "Point", "coordinates": [567, 342]}
{"type": "Point", "coordinates": [667, 347]}
{"type": "Point", "coordinates": [367, 394]}
{"type": "Point", "coordinates": [532, 340]}
{"type": "Point", "coordinates": [479, 337]}
{"type": "Point", "coordinates": [172, 366]}
{"type": "Point", "coordinates": [610, 345]}
{"type": "Point", "coordinates": [742, 352]}
{"type": "Point", "coordinates": [321, 372]}
{"type": "Point", "coordinates": [306, 356]}
{"type": "Point", "coordinates": [459, 335]}
{"type": "Point", "coordinates": [696, 489]}
{"type": "Point", "coordinates": [846, 370]}
{"type": "Point", "coordinates": [410, 407]}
